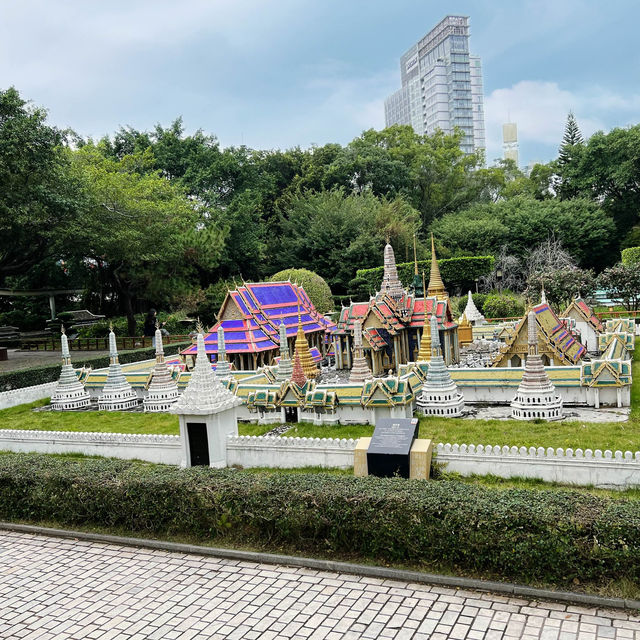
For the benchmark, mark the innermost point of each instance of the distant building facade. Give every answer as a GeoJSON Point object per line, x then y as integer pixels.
{"type": "Point", "coordinates": [441, 86]}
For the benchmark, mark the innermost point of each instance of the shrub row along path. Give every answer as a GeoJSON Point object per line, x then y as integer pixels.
{"type": "Point", "coordinates": [63, 588]}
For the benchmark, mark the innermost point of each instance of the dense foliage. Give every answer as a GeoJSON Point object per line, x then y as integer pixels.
{"type": "Point", "coordinates": [170, 220]}
{"type": "Point", "coordinates": [631, 255]}
{"type": "Point", "coordinates": [521, 535]}
{"type": "Point", "coordinates": [502, 305]}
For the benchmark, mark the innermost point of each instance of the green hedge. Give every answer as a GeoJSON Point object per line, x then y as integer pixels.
{"type": "Point", "coordinates": [50, 373]}
{"type": "Point", "coordinates": [518, 534]}
{"type": "Point", "coordinates": [631, 255]}
{"type": "Point", "coordinates": [459, 274]}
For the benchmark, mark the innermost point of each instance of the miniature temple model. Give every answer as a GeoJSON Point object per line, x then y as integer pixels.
{"type": "Point", "coordinates": [536, 396]}
{"type": "Point", "coordinates": [117, 393]}
{"type": "Point", "coordinates": [393, 320]}
{"type": "Point", "coordinates": [424, 355]}
{"type": "Point", "coordinates": [440, 395]}
{"type": "Point", "coordinates": [250, 317]}
{"type": "Point", "coordinates": [223, 369]}
{"type": "Point", "coordinates": [70, 393]}
{"type": "Point", "coordinates": [360, 370]}
{"type": "Point", "coordinates": [163, 389]}
{"type": "Point", "coordinates": [285, 366]}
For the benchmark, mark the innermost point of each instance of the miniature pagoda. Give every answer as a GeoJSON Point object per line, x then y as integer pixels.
{"type": "Point", "coordinates": [297, 374]}
{"type": "Point", "coordinates": [391, 284]}
{"type": "Point", "coordinates": [117, 394]}
{"type": "Point", "coordinates": [424, 353]}
{"type": "Point", "coordinates": [285, 366]}
{"type": "Point", "coordinates": [536, 396]}
{"type": "Point", "coordinates": [204, 392]}
{"type": "Point", "coordinates": [440, 395]}
{"type": "Point", "coordinates": [360, 370]}
{"type": "Point", "coordinates": [70, 393]}
{"type": "Point", "coordinates": [471, 313]}
{"type": "Point", "coordinates": [163, 389]}
{"type": "Point", "coordinates": [302, 351]}
{"type": "Point", "coordinates": [223, 368]}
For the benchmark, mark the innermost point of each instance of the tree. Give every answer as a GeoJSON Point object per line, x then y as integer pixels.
{"type": "Point", "coordinates": [334, 234]}
{"type": "Point", "coordinates": [622, 282]}
{"type": "Point", "coordinates": [587, 233]}
{"type": "Point", "coordinates": [39, 197]}
{"type": "Point", "coordinates": [561, 285]}
{"type": "Point", "coordinates": [315, 287]}
{"type": "Point", "coordinates": [140, 229]}
{"type": "Point", "coordinates": [570, 139]}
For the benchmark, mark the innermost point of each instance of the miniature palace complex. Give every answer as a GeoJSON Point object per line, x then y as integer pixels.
{"type": "Point", "coordinates": [395, 354]}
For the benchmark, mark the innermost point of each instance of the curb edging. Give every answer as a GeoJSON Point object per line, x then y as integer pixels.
{"type": "Point", "coordinates": [337, 567]}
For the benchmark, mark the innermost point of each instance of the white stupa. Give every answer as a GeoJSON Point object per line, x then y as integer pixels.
{"type": "Point", "coordinates": [70, 393]}
{"type": "Point", "coordinates": [117, 394]}
{"type": "Point", "coordinates": [440, 395]}
{"type": "Point", "coordinates": [163, 389]}
{"type": "Point", "coordinates": [204, 393]}
{"type": "Point", "coordinates": [471, 312]}
{"type": "Point", "coordinates": [536, 396]}
{"type": "Point", "coordinates": [285, 366]}
{"type": "Point", "coordinates": [223, 368]}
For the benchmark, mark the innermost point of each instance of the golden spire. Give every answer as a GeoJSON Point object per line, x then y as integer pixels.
{"type": "Point", "coordinates": [302, 351]}
{"type": "Point", "coordinates": [424, 292]}
{"type": "Point", "coordinates": [424, 355]}
{"type": "Point", "coordinates": [436, 286]}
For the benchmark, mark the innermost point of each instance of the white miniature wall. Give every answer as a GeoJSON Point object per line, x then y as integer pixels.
{"type": "Point", "coordinates": [148, 447]}
{"type": "Point", "coordinates": [566, 466]}
{"type": "Point", "coordinates": [26, 394]}
{"type": "Point", "coordinates": [288, 453]}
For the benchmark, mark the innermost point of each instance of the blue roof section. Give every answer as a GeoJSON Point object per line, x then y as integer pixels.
{"type": "Point", "coordinates": [263, 307]}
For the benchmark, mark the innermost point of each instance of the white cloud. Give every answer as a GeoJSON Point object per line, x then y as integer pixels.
{"type": "Point", "coordinates": [540, 110]}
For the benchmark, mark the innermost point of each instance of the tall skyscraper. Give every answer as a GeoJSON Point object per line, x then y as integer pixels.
{"type": "Point", "coordinates": [441, 85]}
{"type": "Point", "coordinates": [510, 141]}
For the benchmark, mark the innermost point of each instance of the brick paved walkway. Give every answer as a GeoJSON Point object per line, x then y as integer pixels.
{"type": "Point", "coordinates": [56, 588]}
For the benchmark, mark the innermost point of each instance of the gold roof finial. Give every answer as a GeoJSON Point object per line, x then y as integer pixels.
{"type": "Point", "coordinates": [415, 256]}
{"type": "Point", "coordinates": [436, 286]}
{"type": "Point", "coordinates": [424, 287]}
{"type": "Point", "coordinates": [62, 329]}
{"type": "Point", "coordinates": [199, 327]}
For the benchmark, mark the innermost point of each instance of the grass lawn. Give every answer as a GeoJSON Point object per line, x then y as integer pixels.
{"type": "Point", "coordinates": [23, 417]}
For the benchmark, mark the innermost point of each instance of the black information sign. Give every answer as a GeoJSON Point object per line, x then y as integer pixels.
{"type": "Point", "coordinates": [388, 453]}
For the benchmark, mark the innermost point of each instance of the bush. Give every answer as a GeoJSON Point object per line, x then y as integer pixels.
{"type": "Point", "coordinates": [631, 255]}
{"type": "Point", "coordinates": [315, 287]}
{"type": "Point", "coordinates": [518, 534]}
{"type": "Point", "coordinates": [458, 274]}
{"type": "Point", "coordinates": [478, 300]}
{"type": "Point", "coordinates": [502, 305]}
{"type": "Point", "coordinates": [101, 329]}
{"type": "Point", "coordinates": [50, 373]}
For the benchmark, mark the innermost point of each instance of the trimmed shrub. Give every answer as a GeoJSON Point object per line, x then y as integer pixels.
{"type": "Point", "coordinates": [518, 534]}
{"type": "Point", "coordinates": [315, 286]}
{"type": "Point", "coordinates": [502, 305]}
{"type": "Point", "coordinates": [50, 373]}
{"type": "Point", "coordinates": [631, 255]}
{"type": "Point", "coordinates": [458, 274]}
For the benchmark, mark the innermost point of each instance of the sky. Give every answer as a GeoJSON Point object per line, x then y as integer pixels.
{"type": "Point", "coordinates": [283, 73]}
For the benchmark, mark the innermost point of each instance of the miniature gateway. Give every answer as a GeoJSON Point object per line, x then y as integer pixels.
{"type": "Point", "coordinates": [163, 389]}
{"type": "Point", "coordinates": [536, 396]}
{"type": "Point", "coordinates": [70, 393]}
{"type": "Point", "coordinates": [117, 393]}
{"type": "Point", "coordinates": [440, 395]}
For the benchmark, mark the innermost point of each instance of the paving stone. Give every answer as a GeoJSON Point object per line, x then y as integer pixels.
{"type": "Point", "coordinates": [49, 590]}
